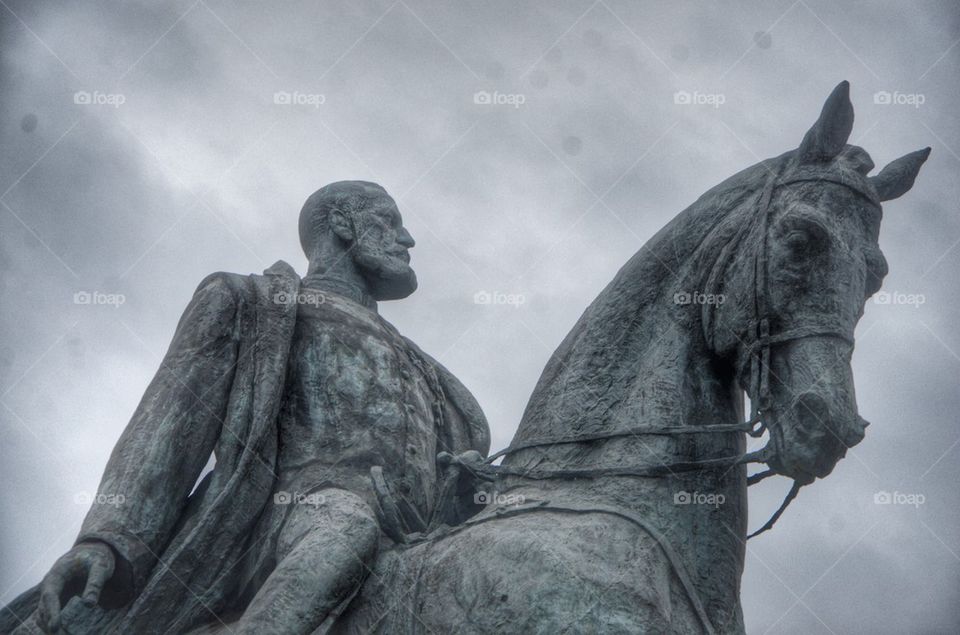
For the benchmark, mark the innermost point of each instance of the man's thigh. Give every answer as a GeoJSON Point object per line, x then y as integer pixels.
{"type": "Point", "coordinates": [329, 518]}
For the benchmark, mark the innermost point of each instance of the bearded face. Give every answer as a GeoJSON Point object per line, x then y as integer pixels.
{"type": "Point", "coordinates": [381, 249]}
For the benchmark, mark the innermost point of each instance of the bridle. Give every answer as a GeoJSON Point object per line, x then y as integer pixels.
{"type": "Point", "coordinates": [756, 352]}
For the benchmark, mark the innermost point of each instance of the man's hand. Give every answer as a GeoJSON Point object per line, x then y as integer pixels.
{"type": "Point", "coordinates": [85, 568]}
{"type": "Point", "coordinates": [471, 461]}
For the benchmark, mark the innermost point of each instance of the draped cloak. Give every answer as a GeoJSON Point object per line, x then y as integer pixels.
{"type": "Point", "coordinates": [218, 390]}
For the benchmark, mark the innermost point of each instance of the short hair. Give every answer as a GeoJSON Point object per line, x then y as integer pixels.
{"type": "Point", "coordinates": [347, 196]}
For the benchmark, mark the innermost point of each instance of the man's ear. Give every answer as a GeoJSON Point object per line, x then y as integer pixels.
{"type": "Point", "coordinates": [341, 225]}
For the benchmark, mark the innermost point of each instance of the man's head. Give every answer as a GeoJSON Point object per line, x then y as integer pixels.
{"type": "Point", "coordinates": [358, 220]}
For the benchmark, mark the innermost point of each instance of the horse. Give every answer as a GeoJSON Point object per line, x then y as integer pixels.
{"type": "Point", "coordinates": [621, 504]}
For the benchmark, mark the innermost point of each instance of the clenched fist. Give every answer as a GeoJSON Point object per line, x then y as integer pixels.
{"type": "Point", "coordinates": [83, 570]}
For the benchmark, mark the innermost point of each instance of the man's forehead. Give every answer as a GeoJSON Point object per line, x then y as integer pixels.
{"type": "Point", "coordinates": [381, 203]}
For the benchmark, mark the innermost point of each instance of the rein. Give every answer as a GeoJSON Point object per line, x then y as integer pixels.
{"type": "Point", "coordinates": [757, 350]}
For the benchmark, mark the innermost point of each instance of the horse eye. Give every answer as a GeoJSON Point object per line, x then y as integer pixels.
{"type": "Point", "coordinates": [805, 239]}
{"type": "Point", "coordinates": [797, 240]}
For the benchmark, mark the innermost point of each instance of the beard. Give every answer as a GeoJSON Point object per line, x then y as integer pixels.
{"type": "Point", "coordinates": [388, 277]}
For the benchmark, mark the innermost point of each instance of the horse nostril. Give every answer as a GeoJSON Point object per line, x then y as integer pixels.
{"type": "Point", "coordinates": [857, 431]}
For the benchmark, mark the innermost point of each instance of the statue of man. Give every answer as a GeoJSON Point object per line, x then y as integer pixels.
{"type": "Point", "coordinates": [300, 390]}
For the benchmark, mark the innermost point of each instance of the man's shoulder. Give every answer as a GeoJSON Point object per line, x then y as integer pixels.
{"type": "Point", "coordinates": [239, 285]}
{"type": "Point", "coordinates": [222, 281]}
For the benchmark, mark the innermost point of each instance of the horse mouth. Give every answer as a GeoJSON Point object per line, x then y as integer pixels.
{"type": "Point", "coordinates": [808, 439]}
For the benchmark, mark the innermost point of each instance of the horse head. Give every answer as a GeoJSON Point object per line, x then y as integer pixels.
{"type": "Point", "coordinates": [796, 277]}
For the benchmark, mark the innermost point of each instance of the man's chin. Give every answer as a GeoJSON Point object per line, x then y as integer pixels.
{"type": "Point", "coordinates": [392, 285]}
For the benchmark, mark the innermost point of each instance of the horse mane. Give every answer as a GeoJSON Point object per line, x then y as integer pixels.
{"type": "Point", "coordinates": [589, 374]}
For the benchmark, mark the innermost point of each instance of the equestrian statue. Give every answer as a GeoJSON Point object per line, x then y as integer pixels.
{"type": "Point", "coordinates": [352, 490]}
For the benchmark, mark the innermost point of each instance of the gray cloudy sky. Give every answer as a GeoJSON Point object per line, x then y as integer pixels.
{"type": "Point", "coordinates": [183, 164]}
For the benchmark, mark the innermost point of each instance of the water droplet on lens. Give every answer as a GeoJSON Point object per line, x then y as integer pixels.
{"type": "Point", "coordinates": [495, 70]}
{"type": "Point", "coordinates": [837, 523]}
{"type": "Point", "coordinates": [76, 347]}
{"type": "Point", "coordinates": [576, 76]}
{"type": "Point", "coordinates": [28, 123]}
{"type": "Point", "coordinates": [572, 145]}
{"type": "Point", "coordinates": [592, 38]}
{"type": "Point", "coordinates": [7, 356]}
{"type": "Point", "coordinates": [539, 79]}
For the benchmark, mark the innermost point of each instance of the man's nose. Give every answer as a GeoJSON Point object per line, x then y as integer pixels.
{"type": "Point", "coordinates": [405, 238]}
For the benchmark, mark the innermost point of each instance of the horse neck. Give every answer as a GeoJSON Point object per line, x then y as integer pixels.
{"type": "Point", "coordinates": [630, 361]}
{"type": "Point", "coordinates": [635, 357]}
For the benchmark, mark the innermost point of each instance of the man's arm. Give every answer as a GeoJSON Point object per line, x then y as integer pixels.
{"type": "Point", "coordinates": [157, 460]}
{"type": "Point", "coordinates": [468, 428]}
{"type": "Point", "coordinates": [466, 434]}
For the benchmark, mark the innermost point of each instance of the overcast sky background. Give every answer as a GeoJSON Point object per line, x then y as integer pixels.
{"type": "Point", "coordinates": [198, 170]}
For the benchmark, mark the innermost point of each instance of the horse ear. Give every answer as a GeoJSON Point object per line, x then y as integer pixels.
{"type": "Point", "coordinates": [897, 177]}
{"type": "Point", "coordinates": [829, 134]}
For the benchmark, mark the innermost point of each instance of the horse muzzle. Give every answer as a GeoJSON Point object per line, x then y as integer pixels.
{"type": "Point", "coordinates": [809, 437]}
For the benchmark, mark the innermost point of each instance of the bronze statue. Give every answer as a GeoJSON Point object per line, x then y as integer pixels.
{"type": "Point", "coordinates": [620, 506]}
{"type": "Point", "coordinates": [299, 388]}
